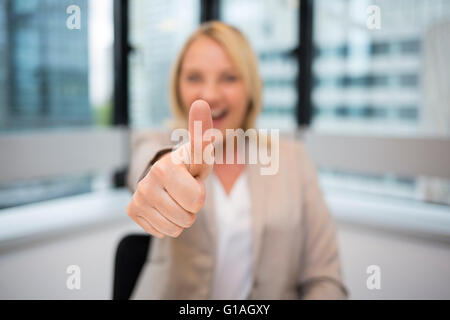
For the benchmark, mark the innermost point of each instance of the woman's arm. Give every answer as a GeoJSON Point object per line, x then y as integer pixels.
{"type": "Point", "coordinates": [321, 268]}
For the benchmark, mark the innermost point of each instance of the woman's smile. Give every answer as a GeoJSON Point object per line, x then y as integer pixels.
{"type": "Point", "coordinates": [218, 115]}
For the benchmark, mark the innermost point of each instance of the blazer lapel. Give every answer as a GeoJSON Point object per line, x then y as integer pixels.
{"type": "Point", "coordinates": [259, 197]}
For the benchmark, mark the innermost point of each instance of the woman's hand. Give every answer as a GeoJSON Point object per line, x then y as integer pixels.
{"type": "Point", "coordinates": [168, 198]}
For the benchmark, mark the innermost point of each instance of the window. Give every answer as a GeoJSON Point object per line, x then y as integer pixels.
{"type": "Point", "coordinates": [53, 79]}
{"type": "Point", "coordinates": [383, 82]}
{"type": "Point", "coordinates": [272, 28]}
{"type": "Point", "coordinates": [158, 29]}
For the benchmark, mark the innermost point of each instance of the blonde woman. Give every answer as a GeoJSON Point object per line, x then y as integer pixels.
{"type": "Point", "coordinates": [225, 231]}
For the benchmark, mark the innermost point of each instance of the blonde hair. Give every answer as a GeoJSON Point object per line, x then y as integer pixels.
{"type": "Point", "coordinates": [244, 59]}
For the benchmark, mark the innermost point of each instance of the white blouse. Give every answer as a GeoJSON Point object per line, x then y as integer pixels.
{"type": "Point", "coordinates": [233, 273]}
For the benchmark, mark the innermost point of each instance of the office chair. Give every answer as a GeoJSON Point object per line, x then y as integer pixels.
{"type": "Point", "coordinates": [131, 254]}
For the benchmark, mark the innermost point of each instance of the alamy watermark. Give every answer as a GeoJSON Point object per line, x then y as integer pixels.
{"type": "Point", "coordinates": [242, 147]}
{"type": "Point", "coordinates": [73, 281]}
{"type": "Point", "coordinates": [73, 22]}
{"type": "Point", "coordinates": [374, 280]}
{"type": "Point", "coordinates": [373, 21]}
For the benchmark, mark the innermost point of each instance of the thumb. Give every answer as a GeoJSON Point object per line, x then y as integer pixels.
{"type": "Point", "coordinates": [200, 121]}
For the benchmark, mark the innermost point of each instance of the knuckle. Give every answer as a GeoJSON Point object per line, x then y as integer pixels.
{"type": "Point", "coordinates": [142, 200]}
{"type": "Point", "coordinates": [155, 220]}
{"type": "Point", "coordinates": [172, 230]}
{"type": "Point", "coordinates": [157, 171]}
{"type": "Point", "coordinates": [146, 197]}
{"type": "Point", "coordinates": [199, 200]}
{"type": "Point", "coordinates": [141, 185]}
{"type": "Point", "coordinates": [142, 191]}
{"type": "Point", "coordinates": [129, 210]}
{"type": "Point", "coordinates": [177, 232]}
{"type": "Point", "coordinates": [180, 221]}
{"type": "Point", "coordinates": [144, 225]}
{"type": "Point", "coordinates": [163, 226]}
{"type": "Point", "coordinates": [189, 221]}
{"type": "Point", "coordinates": [155, 233]}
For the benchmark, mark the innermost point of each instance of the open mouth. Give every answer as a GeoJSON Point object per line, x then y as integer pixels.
{"type": "Point", "coordinates": [218, 114]}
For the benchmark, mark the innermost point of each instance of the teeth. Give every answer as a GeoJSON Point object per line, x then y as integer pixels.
{"type": "Point", "coordinates": [217, 113]}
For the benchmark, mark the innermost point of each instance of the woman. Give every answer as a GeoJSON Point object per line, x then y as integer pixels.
{"type": "Point", "coordinates": [225, 231]}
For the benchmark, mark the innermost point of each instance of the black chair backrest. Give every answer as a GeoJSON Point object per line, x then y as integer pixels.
{"type": "Point", "coordinates": [131, 254]}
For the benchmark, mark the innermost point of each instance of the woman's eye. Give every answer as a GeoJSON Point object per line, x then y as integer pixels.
{"type": "Point", "coordinates": [230, 78]}
{"type": "Point", "coordinates": [193, 78]}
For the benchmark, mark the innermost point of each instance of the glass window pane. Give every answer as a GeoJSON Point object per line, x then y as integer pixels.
{"type": "Point", "coordinates": [272, 28]}
{"type": "Point", "coordinates": [386, 80]}
{"type": "Point", "coordinates": [158, 29]}
{"type": "Point", "coordinates": [53, 76]}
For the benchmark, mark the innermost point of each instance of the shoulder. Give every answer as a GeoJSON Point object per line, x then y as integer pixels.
{"type": "Point", "coordinates": [150, 137]}
{"type": "Point", "coordinates": [292, 147]}
{"type": "Point", "coordinates": [293, 151]}
{"type": "Point", "coordinates": [295, 159]}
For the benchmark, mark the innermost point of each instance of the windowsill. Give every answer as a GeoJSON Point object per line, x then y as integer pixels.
{"type": "Point", "coordinates": [408, 217]}
{"type": "Point", "coordinates": [29, 223]}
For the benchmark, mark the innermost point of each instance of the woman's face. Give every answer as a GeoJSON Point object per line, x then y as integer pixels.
{"type": "Point", "coordinates": [208, 73]}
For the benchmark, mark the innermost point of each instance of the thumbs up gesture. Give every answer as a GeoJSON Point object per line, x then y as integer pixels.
{"type": "Point", "coordinates": [167, 200]}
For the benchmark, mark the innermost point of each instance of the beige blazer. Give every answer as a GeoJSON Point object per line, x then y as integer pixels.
{"type": "Point", "coordinates": [295, 251]}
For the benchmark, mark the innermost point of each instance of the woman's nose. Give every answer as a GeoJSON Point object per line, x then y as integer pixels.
{"type": "Point", "coordinates": [210, 93]}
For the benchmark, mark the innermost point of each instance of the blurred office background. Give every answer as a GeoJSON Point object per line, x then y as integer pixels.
{"type": "Point", "coordinates": [372, 105]}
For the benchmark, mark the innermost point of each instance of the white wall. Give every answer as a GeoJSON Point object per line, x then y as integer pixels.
{"type": "Point", "coordinates": [39, 271]}
{"type": "Point", "coordinates": [410, 268]}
